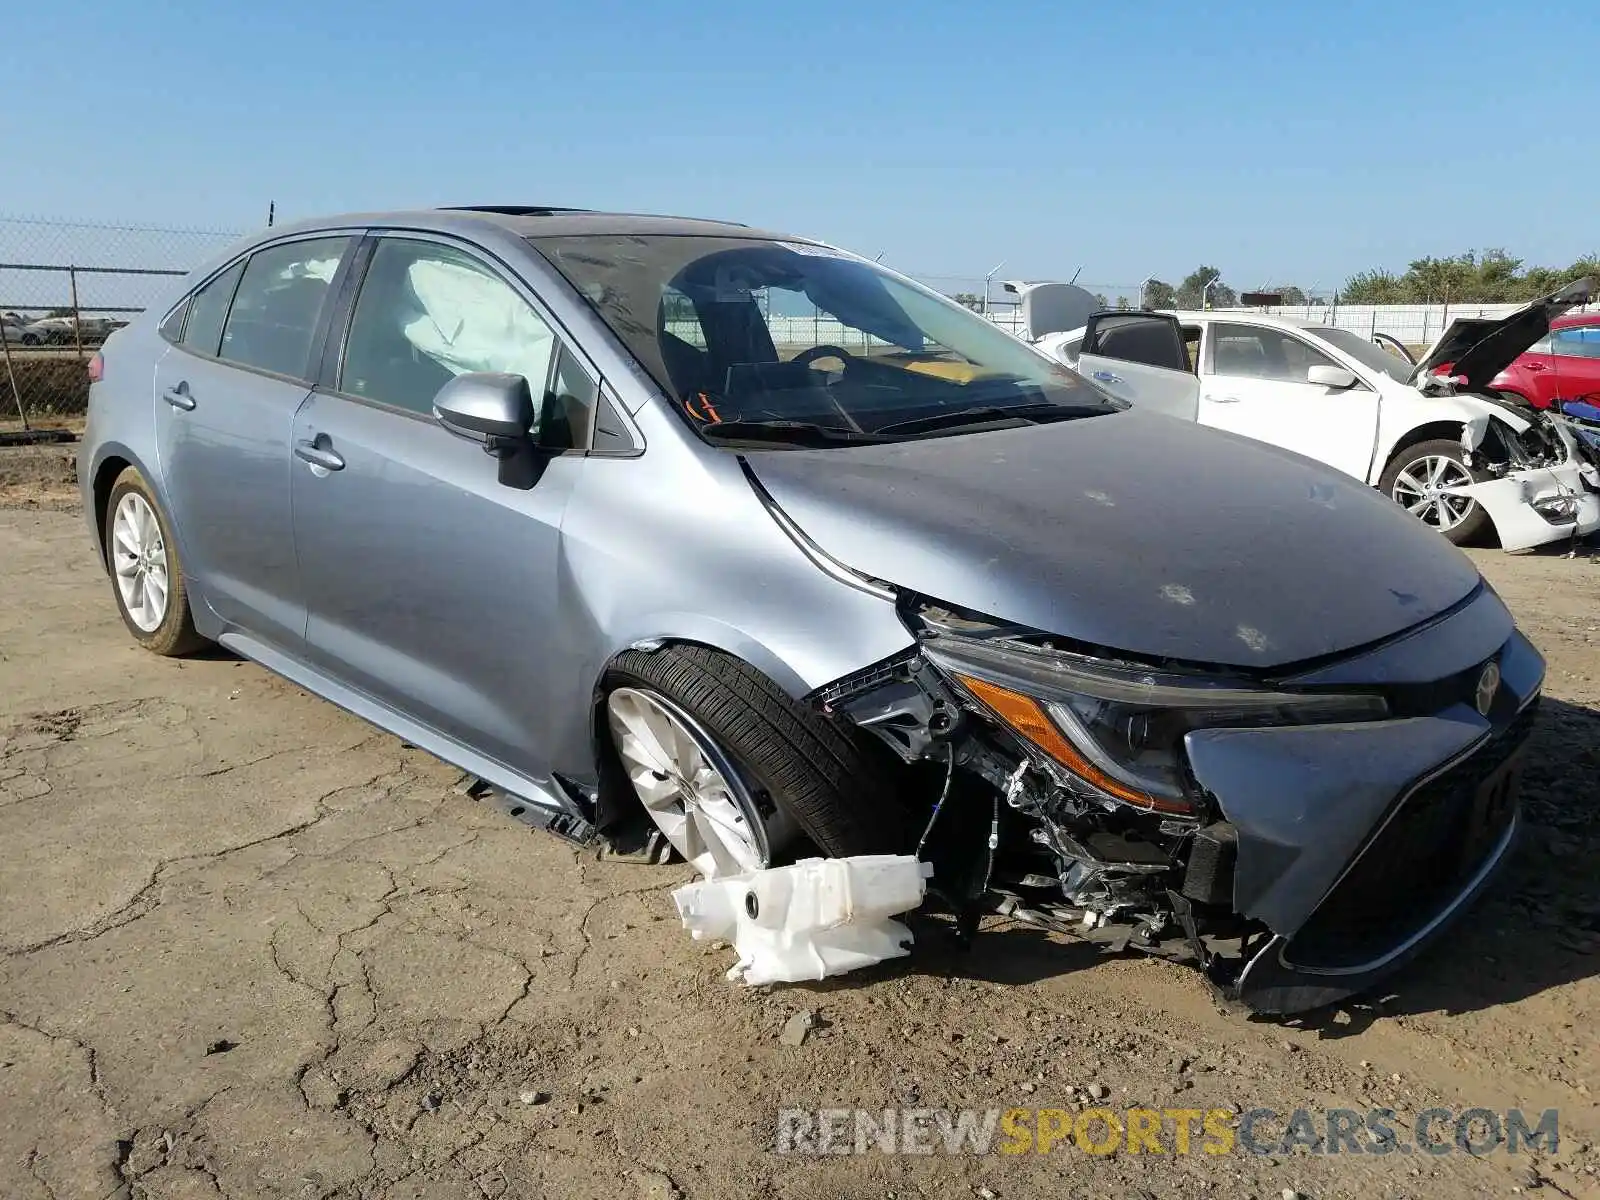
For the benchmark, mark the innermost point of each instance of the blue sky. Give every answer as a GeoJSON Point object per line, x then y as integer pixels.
{"type": "Point", "coordinates": [1283, 142]}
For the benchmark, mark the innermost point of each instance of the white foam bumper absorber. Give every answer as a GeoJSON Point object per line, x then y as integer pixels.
{"type": "Point", "coordinates": [820, 917]}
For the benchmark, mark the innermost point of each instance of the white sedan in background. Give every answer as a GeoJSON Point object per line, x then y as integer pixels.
{"type": "Point", "coordinates": [1462, 461]}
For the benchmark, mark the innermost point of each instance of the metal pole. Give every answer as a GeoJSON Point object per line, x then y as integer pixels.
{"type": "Point", "coordinates": [987, 279]}
{"type": "Point", "coordinates": [77, 323]}
{"type": "Point", "coordinates": [5, 344]}
{"type": "Point", "coordinates": [1142, 286]}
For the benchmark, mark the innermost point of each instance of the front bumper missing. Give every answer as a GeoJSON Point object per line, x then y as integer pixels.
{"type": "Point", "coordinates": [1514, 504]}
{"type": "Point", "coordinates": [1536, 504]}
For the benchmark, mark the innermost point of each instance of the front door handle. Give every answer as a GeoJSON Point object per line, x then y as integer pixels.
{"type": "Point", "coordinates": [1108, 377]}
{"type": "Point", "coordinates": [178, 396]}
{"type": "Point", "coordinates": [1218, 398]}
{"type": "Point", "coordinates": [319, 456]}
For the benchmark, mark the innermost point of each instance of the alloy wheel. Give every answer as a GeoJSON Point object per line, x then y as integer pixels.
{"type": "Point", "coordinates": [1420, 489]}
{"type": "Point", "coordinates": [139, 561]}
{"type": "Point", "coordinates": [688, 786]}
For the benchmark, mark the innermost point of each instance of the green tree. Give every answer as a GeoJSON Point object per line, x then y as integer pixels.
{"type": "Point", "coordinates": [1122, 304]}
{"type": "Point", "coordinates": [970, 300]}
{"type": "Point", "coordinates": [1373, 287]}
{"type": "Point", "coordinates": [1203, 286]}
{"type": "Point", "coordinates": [1291, 294]}
{"type": "Point", "coordinates": [1493, 277]}
{"type": "Point", "coordinates": [1160, 294]}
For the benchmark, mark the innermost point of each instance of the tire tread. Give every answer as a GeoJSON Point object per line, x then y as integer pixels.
{"type": "Point", "coordinates": [807, 763]}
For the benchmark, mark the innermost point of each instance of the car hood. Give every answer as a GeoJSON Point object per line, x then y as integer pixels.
{"type": "Point", "coordinates": [1480, 349]}
{"type": "Point", "coordinates": [1133, 532]}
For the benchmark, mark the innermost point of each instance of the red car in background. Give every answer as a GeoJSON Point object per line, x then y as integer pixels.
{"type": "Point", "coordinates": [1564, 364]}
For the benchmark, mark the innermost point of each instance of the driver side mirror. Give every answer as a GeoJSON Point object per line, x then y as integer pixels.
{"type": "Point", "coordinates": [1331, 377]}
{"type": "Point", "coordinates": [488, 407]}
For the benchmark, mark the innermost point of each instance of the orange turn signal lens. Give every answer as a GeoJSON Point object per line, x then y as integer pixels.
{"type": "Point", "coordinates": [1023, 714]}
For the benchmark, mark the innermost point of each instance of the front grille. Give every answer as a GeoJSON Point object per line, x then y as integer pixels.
{"type": "Point", "coordinates": [1436, 840]}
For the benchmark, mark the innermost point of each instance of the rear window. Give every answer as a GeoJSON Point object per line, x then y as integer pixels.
{"type": "Point", "coordinates": [208, 309]}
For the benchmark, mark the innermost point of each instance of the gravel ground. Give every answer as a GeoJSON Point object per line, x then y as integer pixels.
{"type": "Point", "coordinates": [253, 947]}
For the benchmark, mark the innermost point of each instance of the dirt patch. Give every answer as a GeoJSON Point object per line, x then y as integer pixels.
{"type": "Point", "coordinates": [254, 948]}
{"type": "Point", "coordinates": [44, 477]}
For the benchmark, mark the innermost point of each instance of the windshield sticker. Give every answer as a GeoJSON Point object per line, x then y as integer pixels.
{"type": "Point", "coordinates": [816, 251]}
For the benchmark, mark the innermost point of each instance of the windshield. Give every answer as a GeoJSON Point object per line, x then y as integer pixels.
{"type": "Point", "coordinates": [1367, 353]}
{"type": "Point", "coordinates": [768, 338]}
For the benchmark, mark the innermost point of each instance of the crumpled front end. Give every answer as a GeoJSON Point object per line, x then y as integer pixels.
{"type": "Point", "coordinates": [1357, 845]}
{"type": "Point", "coordinates": [1542, 481]}
{"type": "Point", "coordinates": [1296, 836]}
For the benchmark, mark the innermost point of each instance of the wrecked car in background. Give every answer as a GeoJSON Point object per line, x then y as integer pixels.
{"type": "Point", "coordinates": [1435, 436]}
{"type": "Point", "coordinates": [674, 525]}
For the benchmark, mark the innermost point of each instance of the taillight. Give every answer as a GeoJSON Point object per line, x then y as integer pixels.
{"type": "Point", "coordinates": [97, 367]}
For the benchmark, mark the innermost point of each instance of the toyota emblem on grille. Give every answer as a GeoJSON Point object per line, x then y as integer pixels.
{"type": "Point", "coordinates": [1488, 685]}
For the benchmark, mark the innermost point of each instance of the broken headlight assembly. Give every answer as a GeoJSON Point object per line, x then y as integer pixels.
{"type": "Point", "coordinates": [1119, 727]}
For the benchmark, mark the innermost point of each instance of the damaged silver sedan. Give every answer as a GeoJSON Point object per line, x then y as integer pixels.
{"type": "Point", "coordinates": [774, 551]}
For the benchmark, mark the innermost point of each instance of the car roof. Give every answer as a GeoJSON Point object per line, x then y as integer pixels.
{"type": "Point", "coordinates": [531, 221]}
{"type": "Point", "coordinates": [1249, 315]}
{"type": "Point", "coordinates": [1572, 319]}
{"type": "Point", "coordinates": [1193, 316]}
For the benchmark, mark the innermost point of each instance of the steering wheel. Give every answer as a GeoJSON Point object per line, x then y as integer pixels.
{"type": "Point", "coordinates": [808, 356]}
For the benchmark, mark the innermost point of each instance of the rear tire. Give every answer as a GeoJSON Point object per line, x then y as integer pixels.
{"type": "Point", "coordinates": [1410, 480]}
{"type": "Point", "coordinates": [147, 577]}
{"type": "Point", "coordinates": [803, 771]}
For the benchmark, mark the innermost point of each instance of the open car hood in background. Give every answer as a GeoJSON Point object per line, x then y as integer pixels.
{"type": "Point", "coordinates": [1480, 349]}
{"type": "Point", "coordinates": [1051, 307]}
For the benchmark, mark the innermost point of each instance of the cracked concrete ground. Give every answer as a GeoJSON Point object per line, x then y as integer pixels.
{"type": "Point", "coordinates": [254, 948]}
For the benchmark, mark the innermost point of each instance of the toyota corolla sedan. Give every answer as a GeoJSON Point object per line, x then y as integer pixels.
{"type": "Point", "coordinates": [678, 531]}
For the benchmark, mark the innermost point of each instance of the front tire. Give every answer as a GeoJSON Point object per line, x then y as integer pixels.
{"type": "Point", "coordinates": [1414, 479]}
{"type": "Point", "coordinates": [785, 769]}
{"type": "Point", "coordinates": [146, 575]}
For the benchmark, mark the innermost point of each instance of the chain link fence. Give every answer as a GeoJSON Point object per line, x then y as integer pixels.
{"type": "Point", "coordinates": [65, 287]}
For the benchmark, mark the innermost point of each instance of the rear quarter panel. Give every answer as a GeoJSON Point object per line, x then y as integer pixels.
{"type": "Point", "coordinates": [120, 423]}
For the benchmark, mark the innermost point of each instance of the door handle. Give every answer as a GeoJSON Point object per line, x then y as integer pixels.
{"type": "Point", "coordinates": [1218, 398]}
{"type": "Point", "coordinates": [1534, 366]}
{"type": "Point", "coordinates": [319, 456]}
{"type": "Point", "coordinates": [1108, 377]}
{"type": "Point", "coordinates": [178, 396]}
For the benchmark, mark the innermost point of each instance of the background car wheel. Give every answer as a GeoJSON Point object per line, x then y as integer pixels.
{"type": "Point", "coordinates": [1415, 479]}
{"type": "Point", "coordinates": [732, 770]}
{"type": "Point", "coordinates": [146, 576]}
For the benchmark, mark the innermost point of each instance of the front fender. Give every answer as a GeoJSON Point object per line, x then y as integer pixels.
{"type": "Point", "coordinates": [678, 547]}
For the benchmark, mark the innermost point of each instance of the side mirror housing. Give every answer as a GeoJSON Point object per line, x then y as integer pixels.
{"type": "Point", "coordinates": [1331, 377]}
{"type": "Point", "coordinates": [488, 407]}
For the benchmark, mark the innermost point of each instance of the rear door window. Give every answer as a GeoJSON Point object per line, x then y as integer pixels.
{"type": "Point", "coordinates": [208, 309]}
{"type": "Point", "coordinates": [274, 316]}
{"type": "Point", "coordinates": [1138, 337]}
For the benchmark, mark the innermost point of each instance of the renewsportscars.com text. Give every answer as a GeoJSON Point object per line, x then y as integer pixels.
{"type": "Point", "coordinates": [1175, 1131]}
